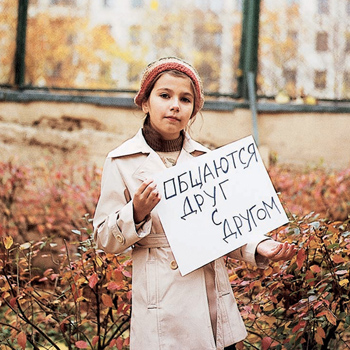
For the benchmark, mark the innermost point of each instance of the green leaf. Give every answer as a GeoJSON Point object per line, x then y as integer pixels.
{"type": "Point", "coordinates": [332, 246]}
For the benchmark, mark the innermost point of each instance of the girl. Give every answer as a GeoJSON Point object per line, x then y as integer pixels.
{"type": "Point", "coordinates": [197, 311]}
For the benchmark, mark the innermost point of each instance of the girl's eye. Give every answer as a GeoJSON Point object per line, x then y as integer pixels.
{"type": "Point", "coordinates": [186, 100]}
{"type": "Point", "coordinates": [164, 95]}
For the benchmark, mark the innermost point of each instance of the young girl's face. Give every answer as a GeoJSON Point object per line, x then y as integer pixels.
{"type": "Point", "coordinates": [170, 105]}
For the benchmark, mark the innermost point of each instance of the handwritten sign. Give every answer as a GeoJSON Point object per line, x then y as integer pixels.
{"type": "Point", "coordinates": [217, 203]}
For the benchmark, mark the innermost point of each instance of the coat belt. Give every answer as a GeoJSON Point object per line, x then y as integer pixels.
{"type": "Point", "coordinates": [153, 241]}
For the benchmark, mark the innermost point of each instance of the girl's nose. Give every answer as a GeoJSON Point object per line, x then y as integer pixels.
{"type": "Point", "coordinates": [175, 105]}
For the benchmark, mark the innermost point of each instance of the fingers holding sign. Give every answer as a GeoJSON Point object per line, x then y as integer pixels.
{"type": "Point", "coordinates": [276, 251]}
{"type": "Point", "coordinates": [145, 199]}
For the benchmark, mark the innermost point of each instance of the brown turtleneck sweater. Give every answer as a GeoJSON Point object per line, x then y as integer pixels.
{"type": "Point", "coordinates": [168, 150]}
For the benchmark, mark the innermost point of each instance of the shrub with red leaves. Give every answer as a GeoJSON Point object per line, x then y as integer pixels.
{"type": "Point", "coordinates": [326, 192]}
{"type": "Point", "coordinates": [83, 300]}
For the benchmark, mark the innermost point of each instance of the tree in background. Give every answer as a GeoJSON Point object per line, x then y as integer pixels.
{"type": "Point", "coordinates": [199, 36]}
{"type": "Point", "coordinates": [8, 23]}
{"type": "Point", "coordinates": [278, 49]}
{"type": "Point", "coordinates": [67, 52]}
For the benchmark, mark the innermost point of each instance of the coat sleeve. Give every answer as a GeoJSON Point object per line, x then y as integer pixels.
{"type": "Point", "coordinates": [114, 226]}
{"type": "Point", "coordinates": [248, 254]}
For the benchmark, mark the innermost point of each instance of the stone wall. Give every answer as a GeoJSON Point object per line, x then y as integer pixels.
{"type": "Point", "coordinates": [29, 131]}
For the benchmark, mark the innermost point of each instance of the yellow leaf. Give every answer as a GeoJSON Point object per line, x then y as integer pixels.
{"type": "Point", "coordinates": [82, 299]}
{"type": "Point", "coordinates": [268, 319]}
{"type": "Point", "coordinates": [314, 244]}
{"type": "Point", "coordinates": [99, 261]}
{"type": "Point", "coordinates": [5, 295]}
{"type": "Point", "coordinates": [233, 277]}
{"type": "Point", "coordinates": [80, 280]}
{"type": "Point", "coordinates": [343, 282]}
{"type": "Point", "coordinates": [4, 347]}
{"type": "Point", "coordinates": [8, 241]}
{"type": "Point", "coordinates": [268, 307]}
{"type": "Point", "coordinates": [268, 271]}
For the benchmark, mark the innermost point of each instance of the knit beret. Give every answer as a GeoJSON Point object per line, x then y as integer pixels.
{"type": "Point", "coordinates": [165, 64]}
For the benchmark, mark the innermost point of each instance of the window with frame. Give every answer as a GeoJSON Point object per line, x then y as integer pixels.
{"type": "Point", "coordinates": [347, 42]}
{"type": "Point", "coordinates": [136, 3]}
{"type": "Point", "coordinates": [135, 32]}
{"type": "Point", "coordinates": [164, 36]}
{"type": "Point", "coordinates": [218, 39]}
{"type": "Point", "coordinates": [133, 73]}
{"type": "Point", "coordinates": [320, 79]}
{"type": "Point", "coordinates": [346, 81]}
{"type": "Point", "coordinates": [204, 5]}
{"type": "Point", "coordinates": [63, 2]}
{"type": "Point", "coordinates": [57, 70]}
{"type": "Point", "coordinates": [208, 41]}
{"type": "Point", "coordinates": [323, 7]}
{"type": "Point", "coordinates": [71, 39]}
{"type": "Point", "coordinates": [108, 3]}
{"type": "Point", "coordinates": [321, 41]}
{"type": "Point", "coordinates": [290, 81]}
{"type": "Point", "coordinates": [290, 76]}
{"type": "Point", "coordinates": [216, 5]}
{"type": "Point", "coordinates": [292, 39]}
{"type": "Point", "coordinates": [165, 4]}
{"type": "Point", "coordinates": [293, 35]}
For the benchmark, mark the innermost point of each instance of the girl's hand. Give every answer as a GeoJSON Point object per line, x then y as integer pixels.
{"type": "Point", "coordinates": [276, 251]}
{"type": "Point", "coordinates": [145, 199]}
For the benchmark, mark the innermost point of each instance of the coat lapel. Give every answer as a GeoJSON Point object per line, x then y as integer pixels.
{"type": "Point", "coordinates": [152, 165]}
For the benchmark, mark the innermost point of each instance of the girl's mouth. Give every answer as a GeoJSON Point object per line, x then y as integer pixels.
{"type": "Point", "coordinates": [173, 118]}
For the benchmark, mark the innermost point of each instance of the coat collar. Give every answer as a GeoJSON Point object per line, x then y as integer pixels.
{"type": "Point", "coordinates": [137, 144]}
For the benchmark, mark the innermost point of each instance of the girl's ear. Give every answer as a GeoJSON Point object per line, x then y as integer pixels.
{"type": "Point", "coordinates": [145, 108]}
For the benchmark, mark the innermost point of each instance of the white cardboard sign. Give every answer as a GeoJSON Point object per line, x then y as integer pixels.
{"type": "Point", "coordinates": [217, 203]}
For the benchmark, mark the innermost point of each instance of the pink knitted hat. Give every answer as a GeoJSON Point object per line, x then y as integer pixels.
{"type": "Point", "coordinates": [170, 63]}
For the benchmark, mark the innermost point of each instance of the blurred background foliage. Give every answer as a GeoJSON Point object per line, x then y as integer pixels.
{"type": "Point", "coordinates": [104, 44]}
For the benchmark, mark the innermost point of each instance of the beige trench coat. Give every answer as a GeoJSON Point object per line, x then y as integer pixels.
{"type": "Point", "coordinates": [169, 312]}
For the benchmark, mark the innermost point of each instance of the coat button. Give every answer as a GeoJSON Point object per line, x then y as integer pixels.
{"type": "Point", "coordinates": [173, 265]}
{"type": "Point", "coordinates": [120, 239]}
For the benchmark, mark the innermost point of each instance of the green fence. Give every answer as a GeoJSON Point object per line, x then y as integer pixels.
{"type": "Point", "coordinates": [293, 48]}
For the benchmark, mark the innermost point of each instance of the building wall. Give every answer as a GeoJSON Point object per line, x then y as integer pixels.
{"type": "Point", "coordinates": [30, 132]}
{"type": "Point", "coordinates": [307, 22]}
